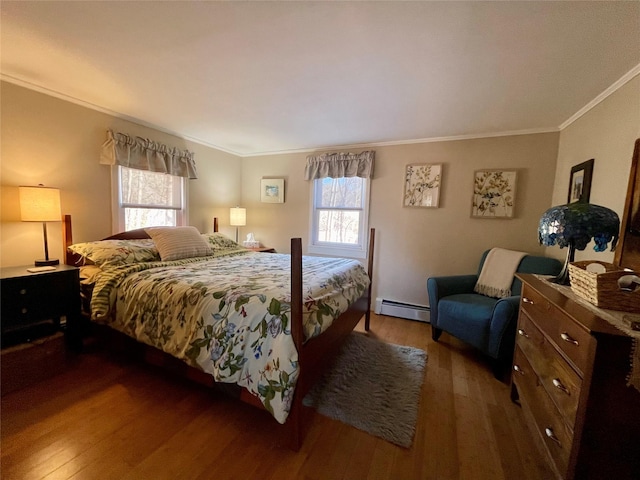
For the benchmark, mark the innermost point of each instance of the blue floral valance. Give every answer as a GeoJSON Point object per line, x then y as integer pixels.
{"type": "Point", "coordinates": [145, 154]}
{"type": "Point", "coordinates": [340, 165]}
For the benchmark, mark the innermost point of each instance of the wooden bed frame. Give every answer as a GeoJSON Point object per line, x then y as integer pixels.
{"type": "Point", "coordinates": [314, 356]}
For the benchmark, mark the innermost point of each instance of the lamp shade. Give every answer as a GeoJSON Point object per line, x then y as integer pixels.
{"type": "Point", "coordinates": [574, 225]}
{"type": "Point", "coordinates": [238, 217]}
{"type": "Point", "coordinates": [39, 204]}
{"type": "Point", "coordinates": [578, 223]}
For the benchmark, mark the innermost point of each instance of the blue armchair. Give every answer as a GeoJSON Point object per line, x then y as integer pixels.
{"type": "Point", "coordinates": [487, 323]}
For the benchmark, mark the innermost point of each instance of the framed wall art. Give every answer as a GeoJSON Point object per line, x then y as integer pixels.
{"type": "Point", "coordinates": [272, 190]}
{"type": "Point", "coordinates": [580, 182]}
{"type": "Point", "coordinates": [494, 193]}
{"type": "Point", "coordinates": [422, 185]}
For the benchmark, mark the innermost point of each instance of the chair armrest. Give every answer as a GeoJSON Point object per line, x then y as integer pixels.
{"type": "Point", "coordinates": [439, 287]}
{"type": "Point", "coordinates": [503, 327]}
{"type": "Point", "coordinates": [451, 285]}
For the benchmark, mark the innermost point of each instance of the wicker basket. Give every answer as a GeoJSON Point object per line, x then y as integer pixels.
{"type": "Point", "coordinates": [602, 289]}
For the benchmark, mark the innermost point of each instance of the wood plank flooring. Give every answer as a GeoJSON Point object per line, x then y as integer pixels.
{"type": "Point", "coordinates": [108, 417]}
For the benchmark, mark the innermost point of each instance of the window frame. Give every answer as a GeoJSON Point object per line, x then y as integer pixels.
{"type": "Point", "coordinates": [332, 249]}
{"type": "Point", "coordinates": [118, 209]}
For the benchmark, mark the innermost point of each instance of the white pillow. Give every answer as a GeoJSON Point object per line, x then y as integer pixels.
{"type": "Point", "coordinates": [174, 243]}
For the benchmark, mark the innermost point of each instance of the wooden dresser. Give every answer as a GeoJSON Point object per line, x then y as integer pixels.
{"type": "Point", "coordinates": [569, 375]}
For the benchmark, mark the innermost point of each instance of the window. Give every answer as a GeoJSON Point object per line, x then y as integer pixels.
{"type": "Point", "coordinates": [340, 216]}
{"type": "Point", "coordinates": [146, 199]}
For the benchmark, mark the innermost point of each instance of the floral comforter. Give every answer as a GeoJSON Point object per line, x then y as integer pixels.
{"type": "Point", "coordinates": [229, 315]}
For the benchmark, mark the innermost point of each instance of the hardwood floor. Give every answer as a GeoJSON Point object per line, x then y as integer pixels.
{"type": "Point", "coordinates": [107, 417]}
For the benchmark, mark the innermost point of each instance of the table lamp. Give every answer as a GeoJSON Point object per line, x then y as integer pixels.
{"type": "Point", "coordinates": [41, 204]}
{"type": "Point", "coordinates": [574, 225]}
{"type": "Point", "coordinates": [237, 218]}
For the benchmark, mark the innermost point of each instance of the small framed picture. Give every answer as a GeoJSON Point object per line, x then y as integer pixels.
{"type": "Point", "coordinates": [422, 185]}
{"type": "Point", "coordinates": [494, 193]}
{"type": "Point", "coordinates": [580, 182]}
{"type": "Point", "coordinates": [272, 190]}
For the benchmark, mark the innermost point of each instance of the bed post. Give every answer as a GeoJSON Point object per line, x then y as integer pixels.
{"type": "Point", "coordinates": [215, 224]}
{"type": "Point", "coordinates": [367, 315]}
{"type": "Point", "coordinates": [296, 292]}
{"type": "Point", "coordinates": [67, 239]}
{"type": "Point", "coordinates": [295, 415]}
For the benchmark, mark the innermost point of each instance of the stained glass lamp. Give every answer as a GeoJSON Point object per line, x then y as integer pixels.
{"type": "Point", "coordinates": [574, 225]}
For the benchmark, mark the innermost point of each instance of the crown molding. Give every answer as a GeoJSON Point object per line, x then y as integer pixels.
{"type": "Point", "coordinates": [408, 142]}
{"type": "Point", "coordinates": [606, 93]}
{"type": "Point", "coordinates": [98, 108]}
{"type": "Point", "coordinates": [610, 90]}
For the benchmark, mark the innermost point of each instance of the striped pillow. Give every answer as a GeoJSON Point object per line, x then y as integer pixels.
{"type": "Point", "coordinates": [174, 243]}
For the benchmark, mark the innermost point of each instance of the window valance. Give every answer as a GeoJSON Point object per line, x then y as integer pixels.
{"type": "Point", "coordinates": [338, 165]}
{"type": "Point", "coordinates": [145, 154]}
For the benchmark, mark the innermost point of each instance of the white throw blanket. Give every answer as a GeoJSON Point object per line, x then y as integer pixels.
{"type": "Point", "coordinates": [497, 272]}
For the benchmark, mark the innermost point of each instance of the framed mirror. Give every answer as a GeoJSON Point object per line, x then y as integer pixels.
{"type": "Point", "coordinates": [628, 250]}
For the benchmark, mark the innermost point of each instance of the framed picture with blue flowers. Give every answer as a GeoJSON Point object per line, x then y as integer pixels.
{"type": "Point", "coordinates": [494, 193]}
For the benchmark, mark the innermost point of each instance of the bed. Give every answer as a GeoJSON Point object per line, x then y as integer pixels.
{"type": "Point", "coordinates": [264, 326]}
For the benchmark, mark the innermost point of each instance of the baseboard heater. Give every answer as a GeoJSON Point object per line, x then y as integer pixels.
{"type": "Point", "coordinates": [402, 310]}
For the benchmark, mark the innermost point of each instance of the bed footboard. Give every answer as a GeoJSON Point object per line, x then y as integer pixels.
{"type": "Point", "coordinates": [313, 355]}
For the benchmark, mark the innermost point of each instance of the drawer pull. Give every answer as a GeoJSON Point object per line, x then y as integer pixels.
{"type": "Point", "coordinates": [518, 369]}
{"type": "Point", "coordinates": [526, 300]}
{"type": "Point", "coordinates": [549, 433]}
{"type": "Point", "coordinates": [522, 333]}
{"type": "Point", "coordinates": [558, 384]}
{"type": "Point", "coordinates": [568, 339]}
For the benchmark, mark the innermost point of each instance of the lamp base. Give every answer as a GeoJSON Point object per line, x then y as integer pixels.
{"type": "Point", "coordinates": [563, 276]}
{"type": "Point", "coordinates": [47, 263]}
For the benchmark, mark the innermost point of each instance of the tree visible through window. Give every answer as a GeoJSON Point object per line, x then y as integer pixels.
{"type": "Point", "coordinates": [339, 216]}
{"type": "Point", "coordinates": [150, 198]}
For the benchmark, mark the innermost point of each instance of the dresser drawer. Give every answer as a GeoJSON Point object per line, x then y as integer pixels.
{"type": "Point", "coordinates": [570, 337]}
{"type": "Point", "coordinates": [561, 382]}
{"type": "Point", "coordinates": [557, 436]}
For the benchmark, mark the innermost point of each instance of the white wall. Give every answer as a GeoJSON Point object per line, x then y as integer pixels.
{"type": "Point", "coordinates": [607, 134]}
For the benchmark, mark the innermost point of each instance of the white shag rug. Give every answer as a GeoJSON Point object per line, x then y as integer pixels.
{"type": "Point", "coordinates": [373, 386]}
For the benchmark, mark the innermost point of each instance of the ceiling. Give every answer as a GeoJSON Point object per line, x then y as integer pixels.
{"type": "Point", "coordinates": [253, 78]}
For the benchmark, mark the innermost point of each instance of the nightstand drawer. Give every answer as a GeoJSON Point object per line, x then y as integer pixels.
{"type": "Point", "coordinates": [570, 337]}
{"type": "Point", "coordinates": [29, 299]}
{"type": "Point", "coordinates": [33, 297]}
{"type": "Point", "coordinates": [557, 437]}
{"type": "Point", "coordinates": [561, 382]}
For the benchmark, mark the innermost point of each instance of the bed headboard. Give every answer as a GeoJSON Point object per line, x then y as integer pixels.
{"type": "Point", "coordinates": [75, 259]}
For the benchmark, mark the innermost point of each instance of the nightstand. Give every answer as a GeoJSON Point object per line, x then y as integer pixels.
{"type": "Point", "coordinates": [263, 249]}
{"type": "Point", "coordinates": [33, 304]}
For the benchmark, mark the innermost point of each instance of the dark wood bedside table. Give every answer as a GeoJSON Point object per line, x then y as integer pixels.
{"type": "Point", "coordinates": [33, 304]}
{"type": "Point", "coordinates": [263, 249]}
